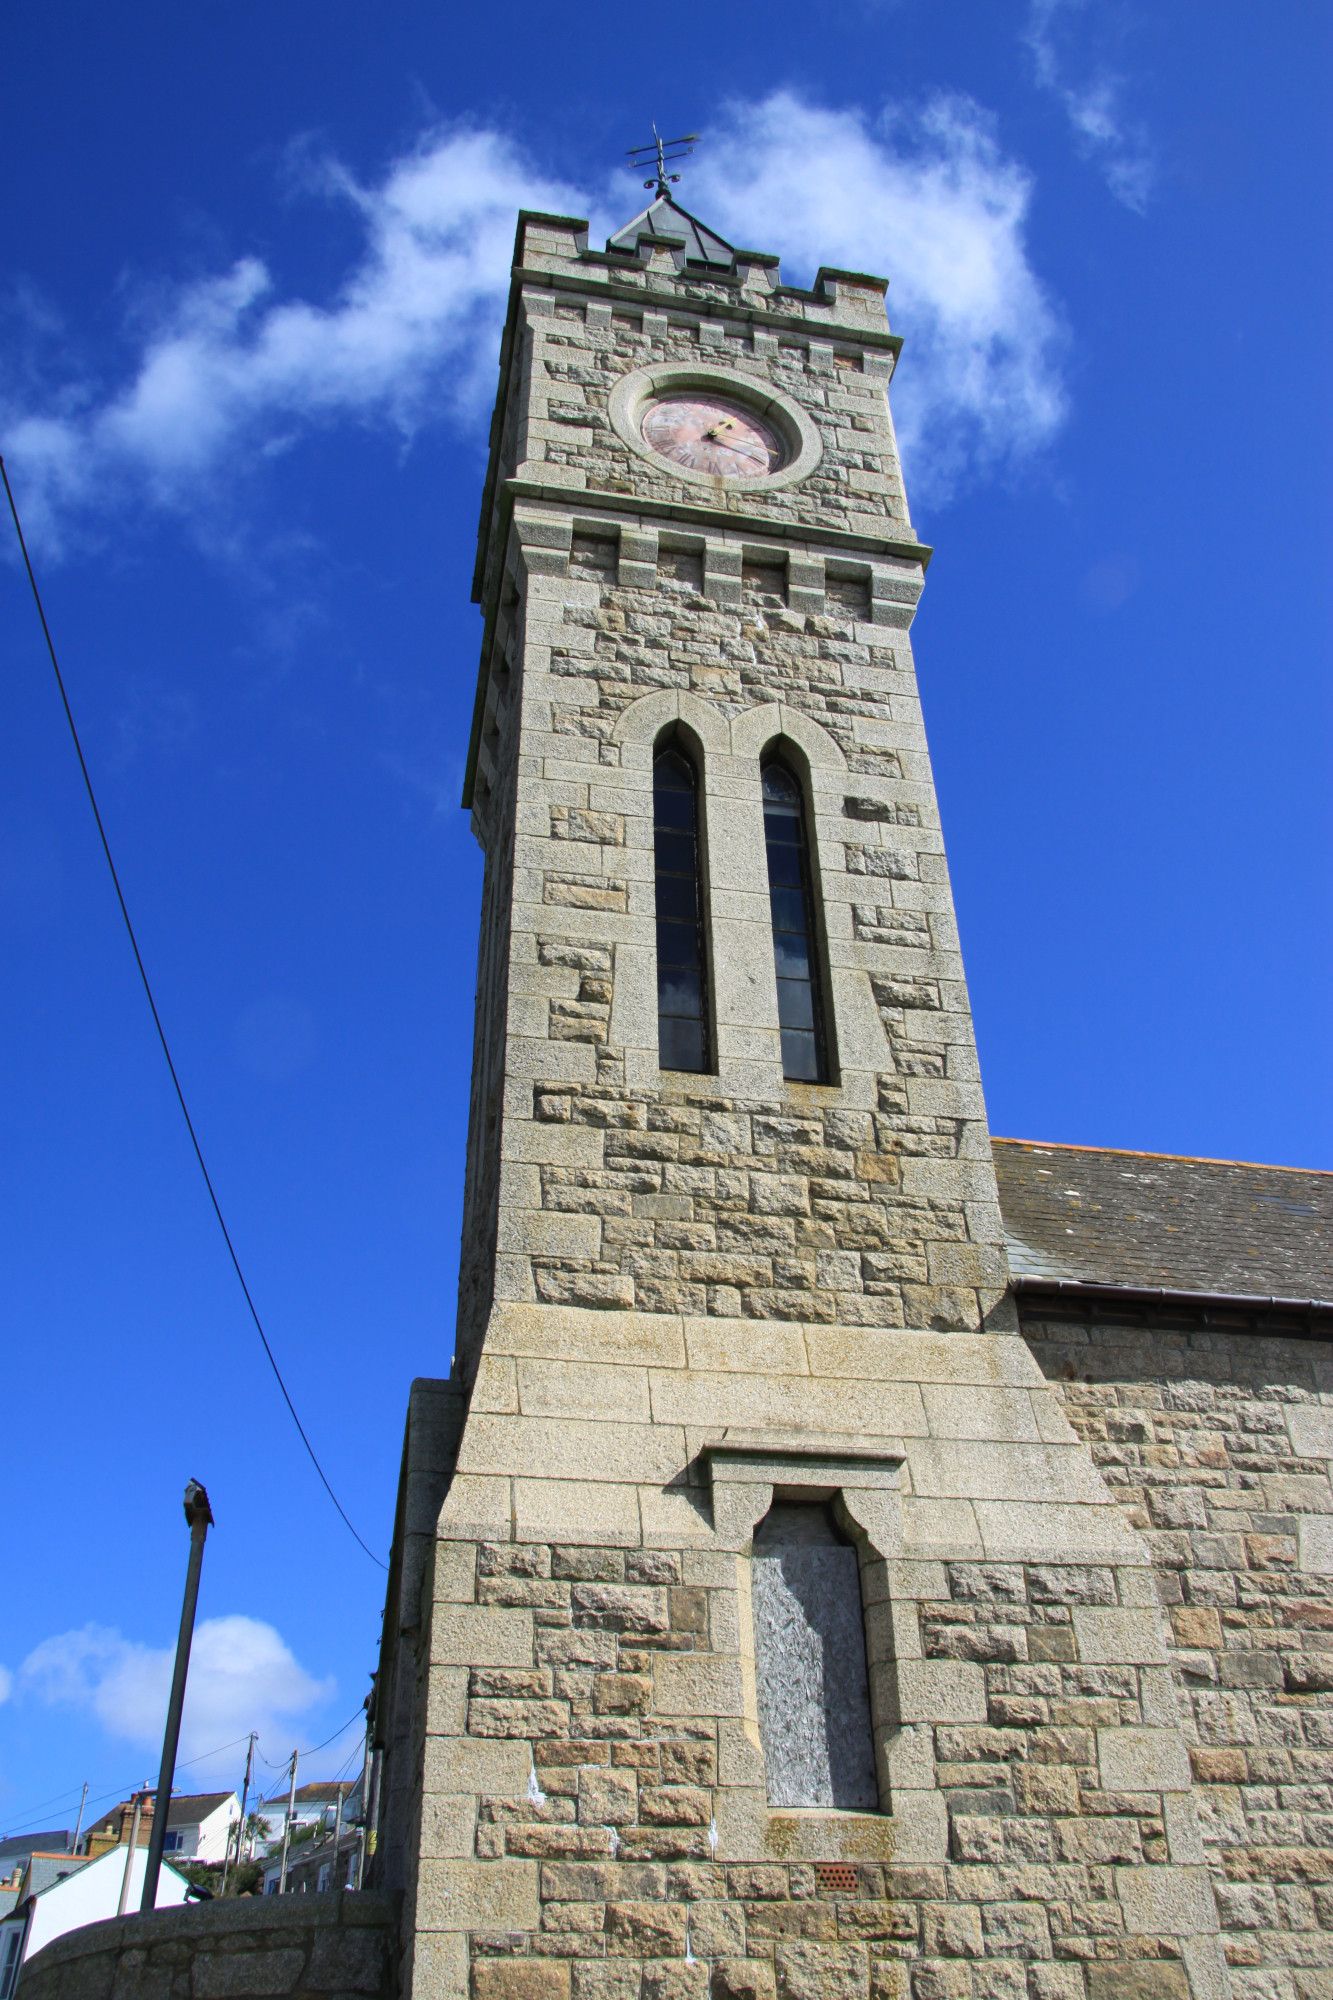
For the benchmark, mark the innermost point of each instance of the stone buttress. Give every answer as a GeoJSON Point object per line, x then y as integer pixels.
{"type": "Point", "coordinates": [685, 1295]}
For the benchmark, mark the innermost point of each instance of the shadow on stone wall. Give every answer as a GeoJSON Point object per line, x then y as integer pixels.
{"type": "Point", "coordinates": [280, 1947]}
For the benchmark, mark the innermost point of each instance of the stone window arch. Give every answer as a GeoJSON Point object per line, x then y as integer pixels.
{"type": "Point", "coordinates": [858, 1491]}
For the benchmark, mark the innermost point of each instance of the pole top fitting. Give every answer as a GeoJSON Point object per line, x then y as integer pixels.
{"type": "Point", "coordinates": [198, 1513]}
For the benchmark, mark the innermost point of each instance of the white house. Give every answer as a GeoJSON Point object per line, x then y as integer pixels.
{"type": "Point", "coordinates": [199, 1825]}
{"type": "Point", "coordinates": [77, 1891]}
{"type": "Point", "coordinates": [315, 1805]}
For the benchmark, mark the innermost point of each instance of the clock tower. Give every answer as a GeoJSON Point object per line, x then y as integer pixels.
{"type": "Point", "coordinates": [758, 1625]}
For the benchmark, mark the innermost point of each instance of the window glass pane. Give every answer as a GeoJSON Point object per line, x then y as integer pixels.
{"type": "Point", "coordinates": [677, 944]}
{"type": "Point", "coordinates": [671, 808]}
{"type": "Point", "coordinates": [800, 1056]}
{"type": "Point", "coordinates": [796, 1005]}
{"type": "Point", "coordinates": [792, 906]}
{"type": "Point", "coordinates": [788, 906]}
{"type": "Point", "coordinates": [784, 865]}
{"type": "Point", "coordinates": [675, 853]}
{"type": "Point", "coordinates": [792, 951]}
{"type": "Point", "coordinates": [677, 897]}
{"type": "Point", "coordinates": [680, 1043]}
{"type": "Point", "coordinates": [682, 998]}
{"type": "Point", "coordinates": [780, 788]}
{"type": "Point", "coordinates": [680, 990]}
{"type": "Point", "coordinates": [782, 822]}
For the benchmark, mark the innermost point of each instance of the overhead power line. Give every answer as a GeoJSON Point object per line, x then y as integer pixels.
{"type": "Point", "coordinates": [357, 1715]}
{"type": "Point", "coordinates": [161, 1031]}
{"type": "Point", "coordinates": [119, 1791]}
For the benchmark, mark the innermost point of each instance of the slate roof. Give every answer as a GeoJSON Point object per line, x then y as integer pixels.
{"type": "Point", "coordinates": [45, 1870]}
{"type": "Point", "coordinates": [186, 1809]}
{"type": "Point", "coordinates": [320, 1791]}
{"type": "Point", "coordinates": [665, 217]}
{"type": "Point", "coordinates": [19, 1846]}
{"type": "Point", "coordinates": [1150, 1221]}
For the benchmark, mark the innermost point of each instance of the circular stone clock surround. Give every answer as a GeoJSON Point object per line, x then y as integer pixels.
{"type": "Point", "coordinates": [634, 392]}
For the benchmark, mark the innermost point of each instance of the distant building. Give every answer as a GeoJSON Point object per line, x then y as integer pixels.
{"type": "Point", "coordinates": [16, 1850]}
{"type": "Point", "coordinates": [316, 1866]}
{"type": "Point", "coordinates": [15, 1854]}
{"type": "Point", "coordinates": [314, 1811]}
{"type": "Point", "coordinates": [199, 1825]}
{"type": "Point", "coordinates": [61, 1892]}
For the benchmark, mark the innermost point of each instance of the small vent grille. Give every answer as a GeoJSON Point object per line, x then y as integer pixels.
{"type": "Point", "coordinates": [837, 1877]}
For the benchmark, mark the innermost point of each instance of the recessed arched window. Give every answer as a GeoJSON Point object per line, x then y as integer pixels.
{"type": "Point", "coordinates": [682, 966]}
{"type": "Point", "coordinates": [810, 1662]}
{"type": "Point", "coordinates": [792, 903]}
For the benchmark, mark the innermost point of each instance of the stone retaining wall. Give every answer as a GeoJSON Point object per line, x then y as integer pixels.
{"type": "Point", "coordinates": [305, 1947]}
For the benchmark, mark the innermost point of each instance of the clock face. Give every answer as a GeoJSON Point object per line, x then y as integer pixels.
{"type": "Point", "coordinates": [708, 433]}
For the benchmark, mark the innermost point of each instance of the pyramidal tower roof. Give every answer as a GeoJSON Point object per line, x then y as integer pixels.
{"type": "Point", "coordinates": [666, 220]}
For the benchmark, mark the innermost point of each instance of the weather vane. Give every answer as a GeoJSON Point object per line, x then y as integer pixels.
{"type": "Point", "coordinates": [659, 156]}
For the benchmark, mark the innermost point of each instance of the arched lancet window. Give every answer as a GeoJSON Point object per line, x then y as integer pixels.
{"type": "Point", "coordinates": [791, 900]}
{"type": "Point", "coordinates": [682, 966]}
{"type": "Point", "coordinates": [810, 1662]}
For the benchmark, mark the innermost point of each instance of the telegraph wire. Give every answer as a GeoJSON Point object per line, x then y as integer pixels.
{"type": "Point", "coordinates": [355, 1716]}
{"type": "Point", "coordinates": [161, 1031]}
{"type": "Point", "coordinates": [119, 1791]}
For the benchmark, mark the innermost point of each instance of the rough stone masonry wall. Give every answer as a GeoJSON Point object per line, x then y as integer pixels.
{"type": "Point", "coordinates": [735, 1194]}
{"type": "Point", "coordinates": [622, 1187]}
{"type": "Point", "coordinates": [585, 350]}
{"type": "Point", "coordinates": [1218, 1446]}
{"type": "Point", "coordinates": [713, 1290]}
{"type": "Point", "coordinates": [594, 1820]}
{"type": "Point", "coordinates": [329, 1947]}
{"type": "Point", "coordinates": [626, 1788]}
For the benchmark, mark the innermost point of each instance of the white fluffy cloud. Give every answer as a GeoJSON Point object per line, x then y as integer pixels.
{"type": "Point", "coordinates": [243, 1676]}
{"type": "Point", "coordinates": [227, 362]}
{"type": "Point", "coordinates": [927, 199]}
{"type": "Point", "coordinates": [1091, 101]}
{"type": "Point", "coordinates": [227, 369]}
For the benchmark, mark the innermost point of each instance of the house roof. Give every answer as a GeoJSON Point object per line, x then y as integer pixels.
{"type": "Point", "coordinates": [20, 1845]}
{"type": "Point", "coordinates": [186, 1809]}
{"type": "Point", "coordinates": [317, 1793]}
{"type": "Point", "coordinates": [189, 1807]}
{"type": "Point", "coordinates": [1154, 1221]}
{"type": "Point", "coordinates": [45, 1870]}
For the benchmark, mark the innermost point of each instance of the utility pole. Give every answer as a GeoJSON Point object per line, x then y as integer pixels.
{"type": "Point", "coordinates": [337, 1836]}
{"type": "Point", "coordinates": [240, 1824]}
{"type": "Point", "coordinates": [365, 1809]}
{"type": "Point", "coordinates": [287, 1829]}
{"type": "Point", "coordinates": [139, 1798]}
{"type": "Point", "coordinates": [199, 1518]}
{"type": "Point", "coordinates": [78, 1824]}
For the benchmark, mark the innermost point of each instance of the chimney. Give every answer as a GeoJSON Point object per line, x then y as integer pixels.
{"type": "Point", "coordinates": [145, 1799]}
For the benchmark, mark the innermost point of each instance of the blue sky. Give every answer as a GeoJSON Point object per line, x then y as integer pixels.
{"type": "Point", "coordinates": [254, 262]}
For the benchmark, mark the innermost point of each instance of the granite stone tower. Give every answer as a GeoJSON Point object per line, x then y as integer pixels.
{"type": "Point", "coordinates": [759, 1624]}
